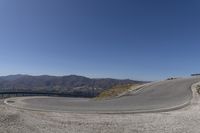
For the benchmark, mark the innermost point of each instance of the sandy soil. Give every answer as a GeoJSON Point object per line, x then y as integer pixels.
{"type": "Point", "coordinates": [186, 120]}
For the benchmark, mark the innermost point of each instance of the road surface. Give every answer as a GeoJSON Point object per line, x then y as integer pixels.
{"type": "Point", "coordinates": [160, 96]}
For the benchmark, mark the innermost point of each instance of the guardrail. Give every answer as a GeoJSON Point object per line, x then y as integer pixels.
{"type": "Point", "coordinates": [21, 93]}
{"type": "Point", "coordinates": [195, 74]}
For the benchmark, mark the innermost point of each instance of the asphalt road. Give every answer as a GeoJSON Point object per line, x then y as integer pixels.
{"type": "Point", "coordinates": [160, 96]}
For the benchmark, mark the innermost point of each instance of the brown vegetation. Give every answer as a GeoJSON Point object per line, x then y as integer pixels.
{"type": "Point", "coordinates": [116, 91]}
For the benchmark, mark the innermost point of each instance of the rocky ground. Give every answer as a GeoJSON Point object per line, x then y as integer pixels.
{"type": "Point", "coordinates": [186, 120]}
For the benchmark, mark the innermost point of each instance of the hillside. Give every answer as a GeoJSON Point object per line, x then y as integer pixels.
{"type": "Point", "coordinates": [72, 84]}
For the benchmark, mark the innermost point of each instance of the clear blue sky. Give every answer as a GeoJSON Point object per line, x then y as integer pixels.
{"type": "Point", "coordinates": [137, 39]}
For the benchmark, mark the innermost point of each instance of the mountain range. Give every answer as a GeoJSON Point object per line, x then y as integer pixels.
{"type": "Point", "coordinates": [73, 85]}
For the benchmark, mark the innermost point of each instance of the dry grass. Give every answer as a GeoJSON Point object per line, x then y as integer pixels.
{"type": "Point", "coordinates": [116, 91]}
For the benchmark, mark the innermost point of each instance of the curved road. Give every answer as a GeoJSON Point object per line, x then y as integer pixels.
{"type": "Point", "coordinates": [160, 96]}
